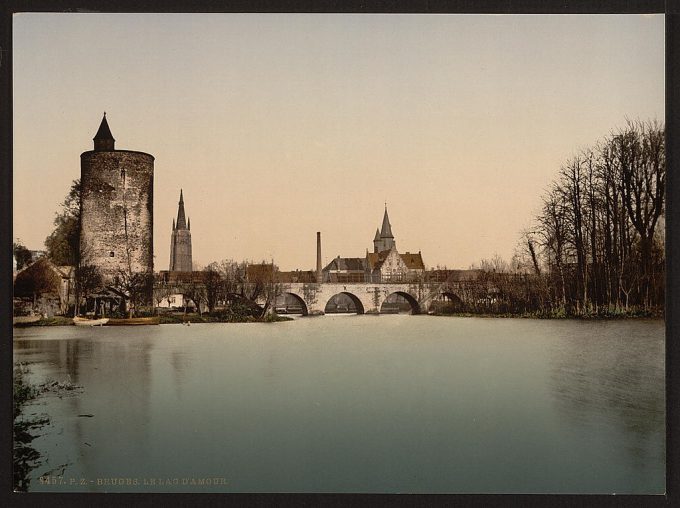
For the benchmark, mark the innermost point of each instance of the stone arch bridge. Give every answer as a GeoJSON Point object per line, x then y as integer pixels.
{"type": "Point", "coordinates": [369, 297]}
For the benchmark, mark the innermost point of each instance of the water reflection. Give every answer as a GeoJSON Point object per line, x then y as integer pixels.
{"type": "Point", "coordinates": [612, 374]}
{"type": "Point", "coordinates": [363, 403]}
{"type": "Point", "coordinates": [119, 373]}
{"type": "Point", "coordinates": [179, 360]}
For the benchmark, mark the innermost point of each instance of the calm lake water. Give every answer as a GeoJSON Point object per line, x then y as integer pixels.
{"type": "Point", "coordinates": [354, 404]}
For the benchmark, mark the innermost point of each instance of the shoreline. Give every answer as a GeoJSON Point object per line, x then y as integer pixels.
{"type": "Point", "coordinates": [633, 314]}
{"type": "Point", "coordinates": [198, 319]}
{"type": "Point", "coordinates": [164, 320]}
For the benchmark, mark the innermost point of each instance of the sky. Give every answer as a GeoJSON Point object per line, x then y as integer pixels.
{"type": "Point", "coordinates": [277, 126]}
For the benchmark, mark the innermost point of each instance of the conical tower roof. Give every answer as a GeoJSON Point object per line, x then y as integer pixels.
{"type": "Point", "coordinates": [386, 230]}
{"type": "Point", "coordinates": [104, 140]}
{"type": "Point", "coordinates": [104, 132]}
{"type": "Point", "coordinates": [181, 218]}
{"type": "Point", "coordinates": [377, 235]}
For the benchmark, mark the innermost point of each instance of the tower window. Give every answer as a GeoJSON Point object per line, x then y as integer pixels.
{"type": "Point", "coordinates": [111, 254]}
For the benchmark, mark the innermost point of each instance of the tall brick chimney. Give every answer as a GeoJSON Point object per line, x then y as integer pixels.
{"type": "Point", "coordinates": [319, 273]}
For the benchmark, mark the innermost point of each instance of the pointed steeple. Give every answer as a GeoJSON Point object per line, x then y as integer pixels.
{"type": "Point", "coordinates": [180, 240]}
{"type": "Point", "coordinates": [181, 220]}
{"type": "Point", "coordinates": [377, 242]}
{"type": "Point", "coordinates": [386, 230]}
{"type": "Point", "coordinates": [103, 140]}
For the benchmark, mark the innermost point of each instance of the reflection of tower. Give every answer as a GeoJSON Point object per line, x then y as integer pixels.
{"type": "Point", "coordinates": [116, 209]}
{"type": "Point", "coordinates": [180, 242]}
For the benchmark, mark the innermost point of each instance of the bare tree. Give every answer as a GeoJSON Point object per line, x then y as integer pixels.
{"type": "Point", "coordinates": [212, 281]}
{"type": "Point", "coordinates": [640, 153]}
{"type": "Point", "coordinates": [87, 279]}
{"type": "Point", "coordinates": [137, 286]}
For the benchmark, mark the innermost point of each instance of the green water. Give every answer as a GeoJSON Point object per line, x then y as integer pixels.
{"type": "Point", "coordinates": [354, 404]}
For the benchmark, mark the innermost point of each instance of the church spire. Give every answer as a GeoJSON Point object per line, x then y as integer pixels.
{"type": "Point", "coordinates": [180, 241]}
{"type": "Point", "coordinates": [386, 231]}
{"type": "Point", "coordinates": [103, 140]}
{"type": "Point", "coordinates": [377, 242]}
{"type": "Point", "coordinates": [181, 219]}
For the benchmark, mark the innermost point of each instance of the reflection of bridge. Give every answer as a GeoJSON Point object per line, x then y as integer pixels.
{"type": "Point", "coordinates": [369, 297]}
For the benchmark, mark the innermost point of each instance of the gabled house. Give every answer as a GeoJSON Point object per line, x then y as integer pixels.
{"type": "Point", "coordinates": [49, 288]}
{"type": "Point", "coordinates": [386, 264]}
{"type": "Point", "coordinates": [345, 270]}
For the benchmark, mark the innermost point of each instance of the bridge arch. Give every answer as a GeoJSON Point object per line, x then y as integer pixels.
{"type": "Point", "coordinates": [359, 307]}
{"type": "Point", "coordinates": [415, 306]}
{"type": "Point", "coordinates": [283, 307]}
{"type": "Point", "coordinates": [449, 302]}
{"type": "Point", "coordinates": [452, 297]}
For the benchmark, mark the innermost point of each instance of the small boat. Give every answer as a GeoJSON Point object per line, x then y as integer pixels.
{"type": "Point", "coordinates": [81, 321]}
{"type": "Point", "coordinates": [153, 320]}
{"type": "Point", "coordinates": [22, 320]}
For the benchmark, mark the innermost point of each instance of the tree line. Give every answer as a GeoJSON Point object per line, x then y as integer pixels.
{"type": "Point", "coordinates": [597, 245]}
{"type": "Point", "coordinates": [230, 288]}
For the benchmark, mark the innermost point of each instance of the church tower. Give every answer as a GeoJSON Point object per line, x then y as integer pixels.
{"type": "Point", "coordinates": [180, 242]}
{"type": "Point", "coordinates": [376, 241]}
{"type": "Point", "coordinates": [385, 239]}
{"type": "Point", "coordinates": [116, 209]}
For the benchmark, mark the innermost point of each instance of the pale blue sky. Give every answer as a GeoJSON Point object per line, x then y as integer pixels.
{"type": "Point", "coordinates": [280, 125]}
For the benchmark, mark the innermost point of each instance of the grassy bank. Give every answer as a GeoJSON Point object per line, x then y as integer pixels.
{"type": "Point", "coordinates": [227, 317]}
{"type": "Point", "coordinates": [52, 321]}
{"type": "Point", "coordinates": [631, 314]}
{"type": "Point", "coordinates": [220, 318]}
{"type": "Point", "coordinates": [171, 319]}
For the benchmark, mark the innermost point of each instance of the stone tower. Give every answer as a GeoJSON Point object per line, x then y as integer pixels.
{"type": "Point", "coordinates": [116, 209]}
{"type": "Point", "coordinates": [384, 239]}
{"type": "Point", "coordinates": [180, 241]}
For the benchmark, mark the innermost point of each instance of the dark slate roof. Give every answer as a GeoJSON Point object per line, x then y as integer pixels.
{"type": "Point", "coordinates": [386, 230]}
{"type": "Point", "coordinates": [377, 235]}
{"type": "Point", "coordinates": [181, 219]}
{"type": "Point", "coordinates": [104, 132]}
{"type": "Point", "coordinates": [296, 276]}
{"type": "Point", "coordinates": [348, 264]}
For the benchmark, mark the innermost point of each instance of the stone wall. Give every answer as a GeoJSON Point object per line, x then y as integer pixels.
{"type": "Point", "coordinates": [117, 212]}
